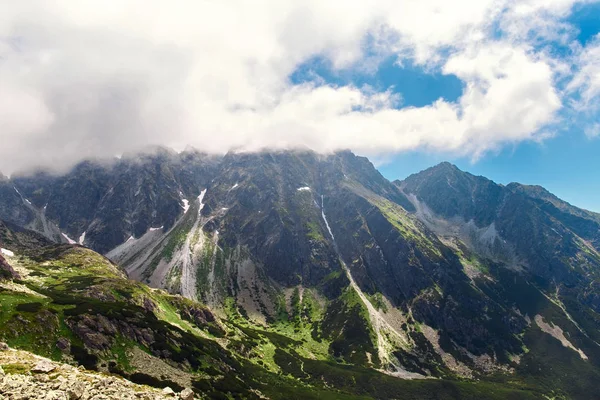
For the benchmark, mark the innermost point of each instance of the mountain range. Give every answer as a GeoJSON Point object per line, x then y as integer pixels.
{"type": "Point", "coordinates": [304, 271]}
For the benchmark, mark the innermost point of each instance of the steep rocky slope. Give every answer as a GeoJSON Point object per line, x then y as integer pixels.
{"type": "Point", "coordinates": [524, 227]}
{"type": "Point", "coordinates": [73, 305]}
{"type": "Point", "coordinates": [317, 261]}
{"type": "Point", "coordinates": [102, 203]}
{"type": "Point", "coordinates": [16, 208]}
{"type": "Point", "coordinates": [524, 247]}
{"type": "Point", "coordinates": [547, 236]}
{"type": "Point", "coordinates": [24, 375]}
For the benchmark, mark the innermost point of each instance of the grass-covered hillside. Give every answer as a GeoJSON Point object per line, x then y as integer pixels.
{"type": "Point", "coordinates": [70, 304]}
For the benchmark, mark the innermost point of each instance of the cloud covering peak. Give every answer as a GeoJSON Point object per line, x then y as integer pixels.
{"type": "Point", "coordinates": [87, 78]}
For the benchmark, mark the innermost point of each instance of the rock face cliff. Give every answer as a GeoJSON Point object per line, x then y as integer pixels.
{"type": "Point", "coordinates": [522, 225]}
{"type": "Point", "coordinates": [443, 274]}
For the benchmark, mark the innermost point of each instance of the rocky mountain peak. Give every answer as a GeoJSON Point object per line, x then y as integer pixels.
{"type": "Point", "coordinates": [444, 173]}
{"type": "Point", "coordinates": [445, 166]}
{"type": "Point", "coordinates": [150, 152]}
{"type": "Point", "coordinates": [451, 192]}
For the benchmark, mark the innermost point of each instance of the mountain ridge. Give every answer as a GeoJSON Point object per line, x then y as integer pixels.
{"type": "Point", "coordinates": [443, 274]}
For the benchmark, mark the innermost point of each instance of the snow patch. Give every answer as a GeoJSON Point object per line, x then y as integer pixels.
{"type": "Point", "coordinates": [71, 241]}
{"type": "Point", "coordinates": [304, 189]}
{"type": "Point", "coordinates": [19, 193]}
{"type": "Point", "coordinates": [82, 238]}
{"type": "Point", "coordinates": [234, 186]}
{"type": "Point", "coordinates": [325, 219]}
{"type": "Point", "coordinates": [7, 252]}
{"type": "Point", "coordinates": [156, 229]}
{"type": "Point", "coordinates": [186, 203]}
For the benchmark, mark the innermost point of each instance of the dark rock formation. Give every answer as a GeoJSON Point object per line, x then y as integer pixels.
{"type": "Point", "coordinates": [6, 271]}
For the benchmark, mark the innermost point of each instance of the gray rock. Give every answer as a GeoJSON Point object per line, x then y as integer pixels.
{"type": "Point", "coordinates": [42, 378]}
{"type": "Point", "coordinates": [76, 391]}
{"type": "Point", "coordinates": [44, 366]}
{"type": "Point", "coordinates": [168, 391]}
{"type": "Point", "coordinates": [186, 394]}
{"type": "Point", "coordinates": [63, 344]}
{"type": "Point", "coordinates": [54, 395]}
{"type": "Point", "coordinates": [6, 270]}
{"type": "Point", "coordinates": [3, 346]}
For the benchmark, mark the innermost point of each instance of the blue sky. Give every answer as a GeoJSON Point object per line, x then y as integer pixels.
{"type": "Point", "coordinates": [568, 164]}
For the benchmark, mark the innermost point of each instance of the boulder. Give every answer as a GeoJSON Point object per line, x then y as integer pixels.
{"type": "Point", "coordinates": [6, 271]}
{"type": "Point", "coordinates": [76, 391]}
{"type": "Point", "coordinates": [63, 344]}
{"type": "Point", "coordinates": [186, 394]}
{"type": "Point", "coordinates": [43, 366]}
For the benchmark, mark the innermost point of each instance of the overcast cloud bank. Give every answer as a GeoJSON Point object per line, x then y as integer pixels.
{"type": "Point", "coordinates": [85, 79]}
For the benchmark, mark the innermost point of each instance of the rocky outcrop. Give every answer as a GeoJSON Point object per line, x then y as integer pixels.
{"type": "Point", "coordinates": [64, 345]}
{"type": "Point", "coordinates": [27, 376]}
{"type": "Point", "coordinates": [98, 332]}
{"type": "Point", "coordinates": [193, 312]}
{"type": "Point", "coordinates": [6, 271]}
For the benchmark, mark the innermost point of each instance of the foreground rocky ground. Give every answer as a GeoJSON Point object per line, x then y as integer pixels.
{"type": "Point", "coordinates": [24, 375]}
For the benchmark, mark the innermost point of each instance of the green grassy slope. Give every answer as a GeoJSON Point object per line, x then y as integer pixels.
{"type": "Point", "coordinates": [69, 294]}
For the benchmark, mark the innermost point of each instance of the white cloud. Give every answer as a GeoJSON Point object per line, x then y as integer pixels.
{"type": "Point", "coordinates": [587, 79]}
{"type": "Point", "coordinates": [85, 78]}
{"type": "Point", "coordinates": [592, 130]}
{"type": "Point", "coordinates": [585, 86]}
